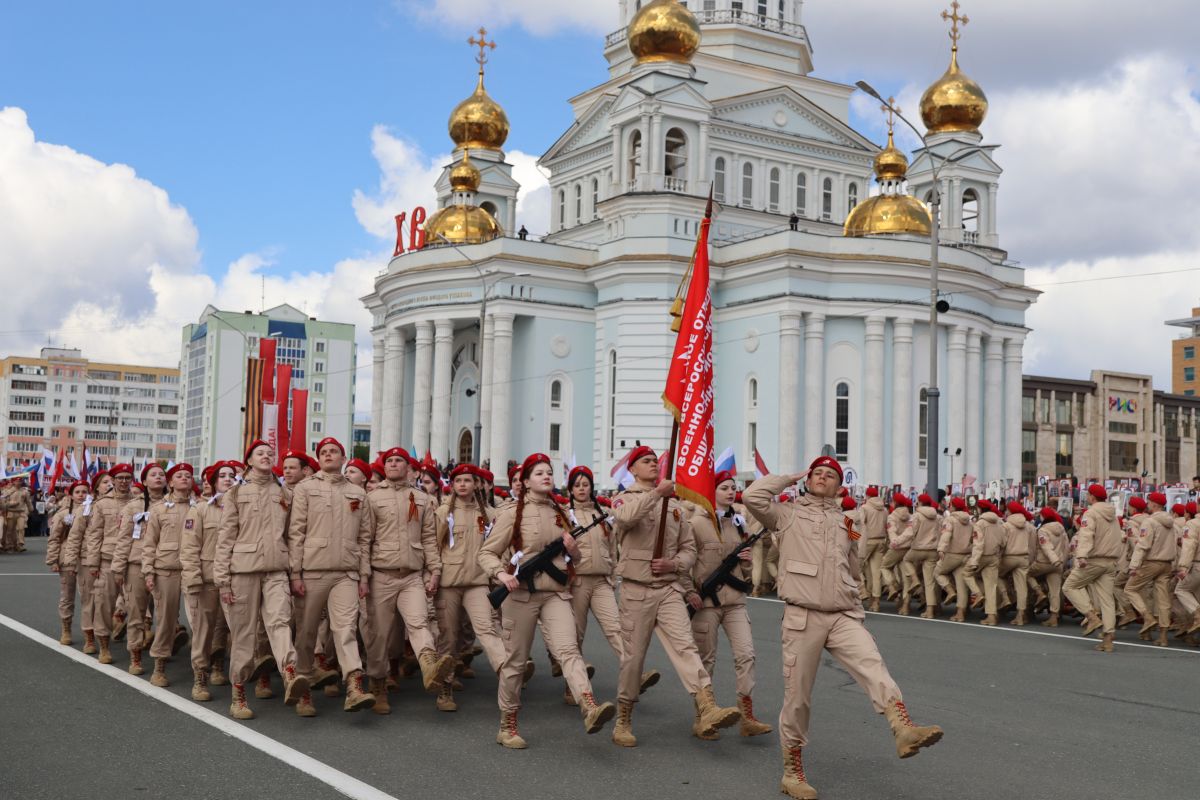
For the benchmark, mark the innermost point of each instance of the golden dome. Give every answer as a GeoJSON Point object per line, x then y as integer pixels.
{"type": "Point", "coordinates": [888, 213]}
{"type": "Point", "coordinates": [663, 30]}
{"type": "Point", "coordinates": [954, 102]}
{"type": "Point", "coordinates": [891, 164]}
{"type": "Point", "coordinates": [479, 122]}
{"type": "Point", "coordinates": [465, 177]}
{"type": "Point", "coordinates": [459, 224]}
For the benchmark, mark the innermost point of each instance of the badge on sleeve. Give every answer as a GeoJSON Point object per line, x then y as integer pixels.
{"type": "Point", "coordinates": [188, 524]}
{"type": "Point", "coordinates": [354, 504]}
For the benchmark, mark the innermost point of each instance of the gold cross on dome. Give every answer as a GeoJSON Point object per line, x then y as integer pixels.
{"type": "Point", "coordinates": [892, 110]}
{"type": "Point", "coordinates": [954, 19]}
{"type": "Point", "coordinates": [483, 44]}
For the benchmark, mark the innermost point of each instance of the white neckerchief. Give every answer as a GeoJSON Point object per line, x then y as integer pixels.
{"type": "Point", "coordinates": [450, 526]}
{"type": "Point", "coordinates": [172, 504]}
{"type": "Point", "coordinates": [69, 518]}
{"type": "Point", "coordinates": [571, 516]}
{"type": "Point", "coordinates": [516, 561]}
{"type": "Point", "coordinates": [215, 497]}
{"type": "Point", "coordinates": [87, 506]}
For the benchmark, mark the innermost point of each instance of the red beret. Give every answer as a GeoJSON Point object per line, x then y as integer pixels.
{"type": "Point", "coordinates": [1137, 504]}
{"type": "Point", "coordinates": [501, 493]}
{"type": "Point", "coordinates": [924, 499]}
{"type": "Point", "coordinates": [1157, 497]}
{"type": "Point", "coordinates": [1025, 513]}
{"type": "Point", "coordinates": [560, 499]}
{"type": "Point", "coordinates": [360, 465]}
{"type": "Point", "coordinates": [485, 474]}
{"type": "Point", "coordinates": [580, 470]}
{"type": "Point", "coordinates": [464, 469]}
{"type": "Point", "coordinates": [531, 462]}
{"type": "Point", "coordinates": [1097, 491]}
{"type": "Point", "coordinates": [396, 452]}
{"type": "Point", "coordinates": [96, 479]}
{"type": "Point", "coordinates": [330, 440]}
{"type": "Point", "coordinates": [253, 445]}
{"type": "Point", "coordinates": [958, 503]}
{"type": "Point", "coordinates": [299, 455]}
{"type": "Point", "coordinates": [119, 469]}
{"type": "Point", "coordinates": [985, 505]}
{"type": "Point", "coordinates": [721, 477]}
{"type": "Point", "coordinates": [872, 491]}
{"type": "Point", "coordinates": [138, 485]}
{"type": "Point", "coordinates": [1192, 508]}
{"type": "Point", "coordinates": [181, 466]}
{"type": "Point", "coordinates": [901, 500]}
{"type": "Point", "coordinates": [213, 472]}
{"type": "Point", "coordinates": [377, 468]}
{"type": "Point", "coordinates": [236, 465]}
{"type": "Point", "coordinates": [84, 484]}
{"type": "Point", "coordinates": [639, 452]}
{"type": "Point", "coordinates": [513, 472]}
{"type": "Point", "coordinates": [605, 501]}
{"type": "Point", "coordinates": [1179, 510]}
{"type": "Point", "coordinates": [414, 464]}
{"type": "Point", "coordinates": [1015, 508]}
{"type": "Point", "coordinates": [826, 461]}
{"type": "Point", "coordinates": [432, 471]}
{"type": "Point", "coordinates": [146, 470]}
{"type": "Point", "coordinates": [1048, 514]}
{"type": "Point", "coordinates": [277, 471]}
{"type": "Point", "coordinates": [848, 503]}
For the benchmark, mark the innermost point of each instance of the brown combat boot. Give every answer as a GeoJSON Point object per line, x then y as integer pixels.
{"type": "Point", "coordinates": [105, 655]}
{"type": "Point", "coordinates": [1195, 624]}
{"type": "Point", "coordinates": [135, 662]}
{"type": "Point", "coordinates": [434, 670]}
{"type": "Point", "coordinates": [751, 726]}
{"type": "Point", "coordinates": [1161, 641]}
{"type": "Point", "coordinates": [508, 734]}
{"type": "Point", "coordinates": [323, 676]}
{"type": "Point", "coordinates": [408, 667]}
{"type": "Point", "coordinates": [238, 708]}
{"type": "Point", "coordinates": [295, 686]}
{"type": "Point", "coordinates": [118, 627]}
{"type": "Point", "coordinates": [930, 612]}
{"type": "Point", "coordinates": [378, 688]}
{"type": "Point", "coordinates": [951, 595]}
{"type": "Point", "coordinates": [568, 698]}
{"type": "Point", "coordinates": [1051, 621]}
{"type": "Point", "coordinates": [960, 615]}
{"type": "Point", "coordinates": [445, 698]}
{"type": "Point", "coordinates": [159, 676]}
{"type": "Point", "coordinates": [649, 678]}
{"type": "Point", "coordinates": [216, 674]}
{"type": "Point", "coordinates": [1106, 644]}
{"type": "Point", "coordinates": [528, 674]}
{"type": "Point", "coordinates": [1019, 620]}
{"type": "Point", "coordinates": [1128, 618]}
{"type": "Point", "coordinates": [181, 639]}
{"type": "Point", "coordinates": [595, 714]}
{"type": "Point", "coordinates": [976, 601]}
{"type": "Point", "coordinates": [712, 716]}
{"type": "Point", "coordinates": [1150, 624]}
{"type": "Point", "coordinates": [910, 738]}
{"type": "Point", "coordinates": [65, 637]}
{"type": "Point", "coordinates": [262, 687]}
{"type": "Point", "coordinates": [200, 691]}
{"type": "Point", "coordinates": [1091, 622]}
{"type": "Point", "coordinates": [555, 667]}
{"type": "Point", "coordinates": [902, 608]}
{"type": "Point", "coordinates": [305, 707]}
{"type": "Point", "coordinates": [393, 676]}
{"type": "Point", "coordinates": [623, 730]}
{"type": "Point", "coordinates": [702, 733]}
{"type": "Point", "coordinates": [795, 783]}
{"type": "Point", "coordinates": [990, 619]}
{"type": "Point", "coordinates": [89, 643]}
{"type": "Point", "coordinates": [357, 698]}
{"type": "Point", "coordinates": [264, 665]}
{"type": "Point", "coordinates": [874, 604]}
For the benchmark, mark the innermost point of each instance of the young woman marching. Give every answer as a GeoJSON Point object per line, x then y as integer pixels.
{"type": "Point", "coordinates": [522, 531]}
{"type": "Point", "coordinates": [75, 558]}
{"type": "Point", "coordinates": [56, 554]}
{"type": "Point", "coordinates": [127, 562]}
{"type": "Point", "coordinates": [161, 568]}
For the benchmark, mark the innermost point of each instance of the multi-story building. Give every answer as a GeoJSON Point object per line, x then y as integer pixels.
{"type": "Point", "coordinates": [1113, 426]}
{"type": "Point", "coordinates": [214, 353]}
{"type": "Point", "coordinates": [1184, 361]}
{"type": "Point", "coordinates": [62, 400]}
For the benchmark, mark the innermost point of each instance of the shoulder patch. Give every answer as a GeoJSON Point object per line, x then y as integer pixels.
{"type": "Point", "coordinates": [189, 523]}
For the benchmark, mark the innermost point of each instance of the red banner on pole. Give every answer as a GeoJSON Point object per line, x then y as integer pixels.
{"type": "Point", "coordinates": [689, 391]}
{"type": "Point", "coordinates": [283, 385]}
{"type": "Point", "coordinates": [299, 420]}
{"type": "Point", "coordinates": [266, 351]}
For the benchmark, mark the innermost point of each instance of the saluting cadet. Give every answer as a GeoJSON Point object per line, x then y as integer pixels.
{"type": "Point", "coordinates": [56, 554]}
{"type": "Point", "coordinates": [127, 562]}
{"type": "Point", "coordinates": [162, 570]}
{"type": "Point", "coordinates": [76, 558]}
{"type": "Point", "coordinates": [1097, 548]}
{"type": "Point", "coordinates": [100, 542]}
{"type": "Point", "coordinates": [817, 580]}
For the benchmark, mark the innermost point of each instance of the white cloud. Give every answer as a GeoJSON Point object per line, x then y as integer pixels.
{"type": "Point", "coordinates": [533, 198]}
{"type": "Point", "coordinates": [539, 17]}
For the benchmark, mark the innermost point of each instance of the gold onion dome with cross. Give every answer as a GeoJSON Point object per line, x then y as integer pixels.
{"type": "Point", "coordinates": [479, 122]}
{"type": "Point", "coordinates": [892, 210]}
{"type": "Point", "coordinates": [664, 30]}
{"type": "Point", "coordinates": [954, 103]}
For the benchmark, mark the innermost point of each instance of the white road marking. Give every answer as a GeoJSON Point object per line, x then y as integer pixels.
{"type": "Point", "coordinates": [344, 784]}
{"type": "Point", "coordinates": [27, 574]}
{"type": "Point", "coordinates": [1010, 629]}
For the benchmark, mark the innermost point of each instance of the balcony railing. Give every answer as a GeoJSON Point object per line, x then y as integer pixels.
{"type": "Point", "coordinates": [732, 16]}
{"type": "Point", "coordinates": [675, 184]}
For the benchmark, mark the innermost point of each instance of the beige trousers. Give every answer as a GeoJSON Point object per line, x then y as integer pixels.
{"type": "Point", "coordinates": [806, 635]}
{"type": "Point", "coordinates": [1018, 568]}
{"type": "Point", "coordinates": [166, 611]}
{"type": "Point", "coordinates": [1158, 574]}
{"type": "Point", "coordinates": [104, 598]}
{"type": "Point", "coordinates": [736, 622]}
{"type": "Point", "coordinates": [892, 559]}
{"type": "Point", "coordinates": [66, 594]}
{"type": "Point", "coordinates": [393, 595]}
{"type": "Point", "coordinates": [203, 607]}
{"type": "Point", "coordinates": [137, 601]}
{"type": "Point", "coordinates": [523, 612]}
{"type": "Point", "coordinates": [1053, 576]}
{"type": "Point", "coordinates": [924, 561]}
{"type": "Point", "coordinates": [1187, 591]}
{"type": "Point", "coordinates": [449, 605]}
{"type": "Point", "coordinates": [258, 598]}
{"type": "Point", "coordinates": [872, 561]}
{"type": "Point", "coordinates": [988, 566]}
{"type": "Point", "coordinates": [647, 610]}
{"type": "Point", "coordinates": [594, 593]}
{"type": "Point", "coordinates": [953, 566]}
{"type": "Point", "coordinates": [335, 593]}
{"type": "Point", "coordinates": [86, 585]}
{"type": "Point", "coordinates": [1098, 573]}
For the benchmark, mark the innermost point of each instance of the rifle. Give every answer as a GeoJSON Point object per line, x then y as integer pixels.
{"type": "Point", "coordinates": [723, 574]}
{"type": "Point", "coordinates": [531, 567]}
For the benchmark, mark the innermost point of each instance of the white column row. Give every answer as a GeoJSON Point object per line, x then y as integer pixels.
{"type": "Point", "coordinates": [873, 472]}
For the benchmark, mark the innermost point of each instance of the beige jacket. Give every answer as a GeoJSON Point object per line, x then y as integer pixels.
{"type": "Point", "coordinates": [873, 518]}
{"type": "Point", "coordinates": [253, 532]}
{"type": "Point", "coordinates": [926, 525]}
{"type": "Point", "coordinates": [541, 524]}
{"type": "Point", "coordinates": [988, 538]}
{"type": "Point", "coordinates": [818, 562]}
{"type": "Point", "coordinates": [1052, 544]}
{"type": "Point", "coordinates": [403, 530]}
{"type": "Point", "coordinates": [199, 549]}
{"type": "Point", "coordinates": [597, 547]}
{"type": "Point", "coordinates": [1099, 535]}
{"type": "Point", "coordinates": [956, 534]}
{"type": "Point", "coordinates": [134, 517]}
{"type": "Point", "coordinates": [164, 535]}
{"type": "Point", "coordinates": [1020, 538]}
{"type": "Point", "coordinates": [460, 563]}
{"type": "Point", "coordinates": [637, 512]}
{"type": "Point", "coordinates": [330, 528]}
{"type": "Point", "coordinates": [900, 529]}
{"type": "Point", "coordinates": [73, 555]}
{"type": "Point", "coordinates": [712, 545]}
{"type": "Point", "coordinates": [60, 528]}
{"type": "Point", "coordinates": [1156, 540]}
{"type": "Point", "coordinates": [1189, 545]}
{"type": "Point", "coordinates": [103, 529]}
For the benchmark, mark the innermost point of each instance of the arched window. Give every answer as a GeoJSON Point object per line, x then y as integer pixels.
{"type": "Point", "coordinates": [747, 184]}
{"type": "Point", "coordinates": [556, 394]}
{"type": "Point", "coordinates": [488, 206]}
{"type": "Point", "coordinates": [595, 198]}
{"type": "Point", "coordinates": [851, 197]}
{"type": "Point", "coordinates": [841, 425]}
{"type": "Point", "coordinates": [922, 427]}
{"type": "Point", "coordinates": [970, 210]}
{"type": "Point", "coordinates": [827, 199]}
{"type": "Point", "coordinates": [752, 393]}
{"type": "Point", "coordinates": [675, 161]}
{"type": "Point", "coordinates": [719, 179]}
{"type": "Point", "coordinates": [612, 403]}
{"type": "Point", "coordinates": [635, 155]}
{"type": "Point", "coordinates": [801, 193]}
{"type": "Point", "coordinates": [773, 191]}
{"type": "Point", "coordinates": [578, 203]}
{"type": "Point", "coordinates": [562, 209]}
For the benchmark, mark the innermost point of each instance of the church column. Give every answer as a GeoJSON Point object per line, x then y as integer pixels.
{"type": "Point", "coordinates": [378, 342]}
{"type": "Point", "coordinates": [814, 381]}
{"type": "Point", "coordinates": [700, 186]}
{"type": "Point", "coordinates": [956, 381]}
{"type": "Point", "coordinates": [485, 390]}
{"type": "Point", "coordinates": [1012, 408]}
{"type": "Point", "coordinates": [618, 164]}
{"type": "Point", "coordinates": [956, 220]}
{"type": "Point", "coordinates": [644, 168]}
{"type": "Point", "coordinates": [873, 410]}
{"type": "Point", "coordinates": [993, 408]}
{"type": "Point", "coordinates": [789, 392]}
{"type": "Point", "coordinates": [903, 431]}
{"type": "Point", "coordinates": [393, 395]}
{"type": "Point", "coordinates": [946, 214]}
{"type": "Point", "coordinates": [421, 387]}
{"type": "Point", "coordinates": [972, 448]}
{"type": "Point", "coordinates": [991, 214]}
{"type": "Point", "coordinates": [501, 391]}
{"type": "Point", "coordinates": [439, 437]}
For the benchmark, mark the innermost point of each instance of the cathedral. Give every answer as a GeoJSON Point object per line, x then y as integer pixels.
{"type": "Point", "coordinates": [488, 341]}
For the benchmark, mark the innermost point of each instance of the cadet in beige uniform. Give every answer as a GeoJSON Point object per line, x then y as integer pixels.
{"type": "Point", "coordinates": [954, 548]}
{"type": "Point", "coordinates": [18, 505]}
{"type": "Point", "coordinates": [1152, 564]}
{"type": "Point", "coordinates": [250, 570]}
{"type": "Point", "coordinates": [405, 570]}
{"type": "Point", "coordinates": [920, 562]}
{"type": "Point", "coordinates": [1051, 555]}
{"type": "Point", "coordinates": [162, 569]}
{"type": "Point", "coordinates": [987, 543]}
{"type": "Point", "coordinates": [520, 533]}
{"type": "Point", "coordinates": [56, 555]}
{"type": "Point", "coordinates": [329, 539]}
{"type": "Point", "coordinates": [1097, 547]}
{"type": "Point", "coordinates": [75, 557]}
{"type": "Point", "coordinates": [714, 541]}
{"type": "Point", "coordinates": [873, 527]}
{"type": "Point", "coordinates": [202, 598]}
{"type": "Point", "coordinates": [127, 562]}
{"type": "Point", "coordinates": [1020, 544]}
{"type": "Point", "coordinates": [817, 580]}
{"type": "Point", "coordinates": [899, 535]}
{"type": "Point", "coordinates": [1187, 569]}
{"type": "Point", "coordinates": [99, 547]}
{"type": "Point", "coordinates": [651, 600]}
{"type": "Point", "coordinates": [1131, 525]}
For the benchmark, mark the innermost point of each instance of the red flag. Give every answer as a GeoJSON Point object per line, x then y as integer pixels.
{"type": "Point", "coordinates": [283, 392]}
{"type": "Point", "coordinates": [760, 466]}
{"type": "Point", "coordinates": [689, 391]}
{"type": "Point", "coordinates": [266, 351]}
{"type": "Point", "coordinates": [299, 437]}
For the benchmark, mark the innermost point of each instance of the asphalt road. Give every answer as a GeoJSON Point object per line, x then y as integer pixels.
{"type": "Point", "coordinates": [1026, 715]}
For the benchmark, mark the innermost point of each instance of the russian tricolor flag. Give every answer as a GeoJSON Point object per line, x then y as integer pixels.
{"type": "Point", "coordinates": [726, 462]}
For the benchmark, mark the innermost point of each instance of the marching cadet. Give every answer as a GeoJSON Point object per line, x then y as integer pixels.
{"type": "Point", "coordinates": [329, 541]}
{"type": "Point", "coordinates": [716, 539]}
{"type": "Point", "coordinates": [651, 599]}
{"type": "Point", "coordinates": [430, 481]}
{"type": "Point", "coordinates": [100, 542]}
{"type": "Point", "coordinates": [358, 472]}
{"type": "Point", "coordinates": [899, 534]}
{"type": "Point", "coordinates": [463, 524]}
{"type": "Point", "coordinates": [250, 570]}
{"type": "Point", "coordinates": [1051, 555]}
{"type": "Point", "coordinates": [920, 562]}
{"type": "Point", "coordinates": [873, 525]}
{"type": "Point", "coordinates": [202, 598]}
{"type": "Point", "coordinates": [405, 570]}
{"type": "Point", "coordinates": [1152, 562]}
{"type": "Point", "coordinates": [986, 544]}
{"type": "Point", "coordinates": [1187, 570]}
{"type": "Point", "coordinates": [127, 562]}
{"type": "Point", "coordinates": [1020, 544]}
{"type": "Point", "coordinates": [56, 555]}
{"type": "Point", "coordinates": [294, 463]}
{"type": "Point", "coordinates": [18, 505]}
{"type": "Point", "coordinates": [1130, 526]}
{"type": "Point", "coordinates": [162, 570]}
{"type": "Point", "coordinates": [76, 558]}
{"type": "Point", "coordinates": [521, 532]}
{"type": "Point", "coordinates": [1097, 547]}
{"type": "Point", "coordinates": [817, 581]}
{"type": "Point", "coordinates": [954, 548]}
